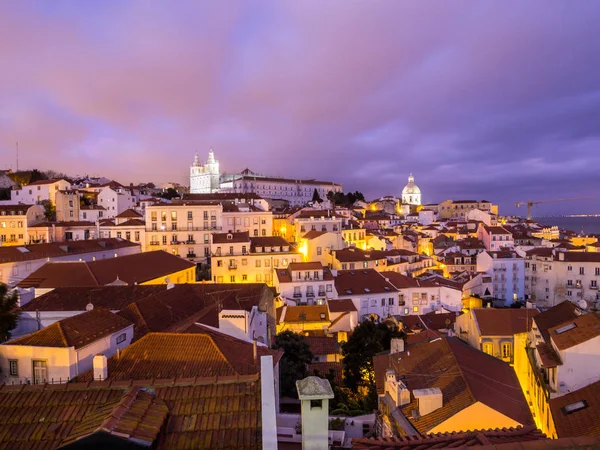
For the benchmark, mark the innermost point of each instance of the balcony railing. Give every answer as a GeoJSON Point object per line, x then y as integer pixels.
{"type": "Point", "coordinates": [310, 294]}
{"type": "Point", "coordinates": [232, 267]}
{"type": "Point", "coordinates": [592, 286]}
{"type": "Point", "coordinates": [190, 255]}
{"type": "Point", "coordinates": [154, 243]}
{"type": "Point", "coordinates": [190, 242]}
{"type": "Point", "coordinates": [297, 295]}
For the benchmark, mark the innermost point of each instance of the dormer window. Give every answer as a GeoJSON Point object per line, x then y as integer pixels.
{"type": "Point", "coordinates": [229, 236]}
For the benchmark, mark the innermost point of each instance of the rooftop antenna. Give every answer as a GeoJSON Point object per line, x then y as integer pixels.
{"type": "Point", "coordinates": [17, 156]}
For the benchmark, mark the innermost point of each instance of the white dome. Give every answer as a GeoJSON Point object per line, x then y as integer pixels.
{"type": "Point", "coordinates": [411, 188]}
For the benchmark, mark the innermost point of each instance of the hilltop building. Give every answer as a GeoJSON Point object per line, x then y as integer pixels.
{"type": "Point", "coordinates": [207, 178]}
{"type": "Point", "coordinates": [204, 178]}
{"type": "Point", "coordinates": [411, 194]}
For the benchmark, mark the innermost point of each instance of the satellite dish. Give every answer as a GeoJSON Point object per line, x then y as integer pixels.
{"type": "Point", "coordinates": [167, 280]}
{"type": "Point", "coordinates": [89, 307]}
{"type": "Point", "coordinates": [582, 304]}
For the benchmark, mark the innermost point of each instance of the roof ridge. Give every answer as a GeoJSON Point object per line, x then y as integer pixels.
{"type": "Point", "coordinates": [63, 335]}
{"type": "Point", "coordinates": [120, 409]}
{"type": "Point", "coordinates": [222, 354]}
{"type": "Point", "coordinates": [462, 374]}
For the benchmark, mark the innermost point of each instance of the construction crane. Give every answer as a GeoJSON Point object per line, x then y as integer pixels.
{"type": "Point", "coordinates": [532, 203]}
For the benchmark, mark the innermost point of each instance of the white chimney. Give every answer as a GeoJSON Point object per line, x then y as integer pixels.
{"type": "Point", "coordinates": [314, 394]}
{"type": "Point", "coordinates": [396, 345]}
{"type": "Point", "coordinates": [100, 364]}
{"type": "Point", "coordinates": [429, 400]}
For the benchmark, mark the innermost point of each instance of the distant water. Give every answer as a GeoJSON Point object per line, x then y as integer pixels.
{"type": "Point", "coordinates": [590, 225]}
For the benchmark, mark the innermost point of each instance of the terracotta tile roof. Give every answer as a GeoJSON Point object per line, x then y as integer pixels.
{"type": "Point", "coordinates": [324, 369]}
{"type": "Point", "coordinates": [425, 335]}
{"type": "Point", "coordinates": [74, 223]}
{"type": "Point", "coordinates": [323, 345]}
{"type": "Point", "coordinates": [353, 254]}
{"type": "Point", "coordinates": [238, 351]}
{"type": "Point", "coordinates": [113, 298]}
{"type": "Point", "coordinates": [197, 413]}
{"type": "Point", "coordinates": [313, 234]}
{"type": "Point", "coordinates": [136, 268]}
{"type": "Point", "coordinates": [178, 355]}
{"type": "Point", "coordinates": [137, 417]}
{"type": "Point", "coordinates": [132, 223]}
{"type": "Point", "coordinates": [403, 282]}
{"type": "Point", "coordinates": [305, 266]}
{"type": "Point", "coordinates": [219, 415]}
{"type": "Point", "coordinates": [301, 314]}
{"type": "Point", "coordinates": [362, 282]}
{"type": "Point", "coordinates": [42, 182]}
{"type": "Point", "coordinates": [548, 355]}
{"type": "Point", "coordinates": [341, 305]}
{"type": "Point", "coordinates": [464, 375]}
{"type": "Point", "coordinates": [496, 230]}
{"type": "Point", "coordinates": [57, 249]}
{"type": "Point", "coordinates": [477, 438]}
{"type": "Point", "coordinates": [585, 421]}
{"type": "Point", "coordinates": [582, 256]}
{"type": "Point", "coordinates": [431, 321]}
{"type": "Point", "coordinates": [129, 213]}
{"type": "Point", "coordinates": [177, 308]}
{"type": "Point", "coordinates": [230, 238]}
{"type": "Point", "coordinates": [563, 312]}
{"type": "Point", "coordinates": [77, 331]}
{"type": "Point", "coordinates": [587, 326]}
{"type": "Point", "coordinates": [503, 322]}
{"type": "Point", "coordinates": [268, 241]}
{"type": "Point", "coordinates": [18, 210]}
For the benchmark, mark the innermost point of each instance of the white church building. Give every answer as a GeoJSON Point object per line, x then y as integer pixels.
{"type": "Point", "coordinates": [205, 178]}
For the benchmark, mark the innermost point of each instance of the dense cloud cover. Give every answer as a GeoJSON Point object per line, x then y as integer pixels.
{"type": "Point", "coordinates": [497, 100]}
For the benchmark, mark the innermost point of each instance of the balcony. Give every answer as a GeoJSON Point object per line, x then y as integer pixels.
{"type": "Point", "coordinates": [297, 295]}
{"type": "Point", "coordinates": [165, 230]}
{"type": "Point", "coordinates": [154, 243]}
{"type": "Point", "coordinates": [190, 255]}
{"type": "Point", "coordinates": [592, 286]}
{"type": "Point", "coordinates": [321, 294]}
{"type": "Point", "coordinates": [310, 294]}
{"type": "Point", "coordinates": [232, 267]}
{"type": "Point", "coordinates": [501, 269]}
{"type": "Point", "coordinates": [190, 242]}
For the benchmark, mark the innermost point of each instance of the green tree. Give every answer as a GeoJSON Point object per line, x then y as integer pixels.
{"type": "Point", "coordinates": [294, 362]}
{"type": "Point", "coordinates": [368, 339]}
{"type": "Point", "coordinates": [316, 197]}
{"type": "Point", "coordinates": [8, 314]}
{"type": "Point", "coordinates": [36, 175]}
{"type": "Point", "coordinates": [169, 194]}
{"type": "Point", "coordinates": [49, 210]}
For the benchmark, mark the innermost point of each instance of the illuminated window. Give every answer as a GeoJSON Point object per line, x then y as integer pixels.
{"type": "Point", "coordinates": [488, 348]}
{"type": "Point", "coordinates": [506, 350]}
{"type": "Point", "coordinates": [415, 309]}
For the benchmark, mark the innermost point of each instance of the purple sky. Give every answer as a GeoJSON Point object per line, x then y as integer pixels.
{"type": "Point", "coordinates": [496, 100]}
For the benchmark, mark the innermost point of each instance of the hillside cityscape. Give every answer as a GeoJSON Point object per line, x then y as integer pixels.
{"type": "Point", "coordinates": [314, 316]}
{"type": "Point", "coordinates": [299, 225]}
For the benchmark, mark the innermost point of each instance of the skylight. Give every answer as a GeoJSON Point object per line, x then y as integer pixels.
{"type": "Point", "coordinates": [574, 407]}
{"type": "Point", "coordinates": [367, 290]}
{"type": "Point", "coordinates": [565, 328]}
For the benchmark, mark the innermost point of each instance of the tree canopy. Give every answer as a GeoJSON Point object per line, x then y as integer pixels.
{"type": "Point", "coordinates": [169, 194]}
{"type": "Point", "coordinates": [294, 362]}
{"type": "Point", "coordinates": [8, 314]}
{"type": "Point", "coordinates": [316, 197]}
{"type": "Point", "coordinates": [341, 199]}
{"type": "Point", "coordinates": [368, 339]}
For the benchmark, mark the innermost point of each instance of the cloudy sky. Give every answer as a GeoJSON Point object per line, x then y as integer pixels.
{"type": "Point", "coordinates": [479, 99]}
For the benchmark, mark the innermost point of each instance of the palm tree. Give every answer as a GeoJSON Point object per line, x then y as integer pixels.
{"type": "Point", "coordinates": [8, 312]}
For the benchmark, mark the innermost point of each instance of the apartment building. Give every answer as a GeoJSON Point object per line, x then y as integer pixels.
{"type": "Point", "coordinates": [552, 277]}
{"type": "Point", "coordinates": [15, 221]}
{"type": "Point", "coordinates": [495, 238]}
{"type": "Point", "coordinates": [39, 191]}
{"type": "Point", "coordinates": [452, 209]}
{"type": "Point", "coordinates": [507, 270]}
{"type": "Point", "coordinates": [305, 283]}
{"type": "Point", "coordinates": [239, 258]}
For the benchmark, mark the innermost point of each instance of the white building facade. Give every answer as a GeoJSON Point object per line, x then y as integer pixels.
{"type": "Point", "coordinates": [205, 178]}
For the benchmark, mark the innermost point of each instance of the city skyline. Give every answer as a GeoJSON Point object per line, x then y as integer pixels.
{"type": "Point", "coordinates": [492, 101]}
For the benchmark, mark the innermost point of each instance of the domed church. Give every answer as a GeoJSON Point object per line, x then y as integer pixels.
{"type": "Point", "coordinates": [411, 194]}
